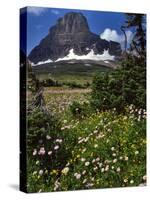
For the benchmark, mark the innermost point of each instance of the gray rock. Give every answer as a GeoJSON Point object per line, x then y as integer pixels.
{"type": "Point", "coordinates": [71, 32]}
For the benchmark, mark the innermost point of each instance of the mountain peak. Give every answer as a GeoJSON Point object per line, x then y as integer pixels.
{"type": "Point", "coordinates": [71, 32]}
{"type": "Point", "coordinates": [71, 23]}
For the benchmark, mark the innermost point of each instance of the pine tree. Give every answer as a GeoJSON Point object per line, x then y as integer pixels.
{"type": "Point", "coordinates": [138, 44]}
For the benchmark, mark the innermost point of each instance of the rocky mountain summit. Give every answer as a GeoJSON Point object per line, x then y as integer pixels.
{"type": "Point", "coordinates": [71, 32]}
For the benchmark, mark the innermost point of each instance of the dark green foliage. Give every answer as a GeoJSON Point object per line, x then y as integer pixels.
{"type": "Point", "coordinates": [40, 124]}
{"type": "Point", "coordinates": [79, 110]}
{"type": "Point", "coordinates": [50, 82]}
{"type": "Point", "coordinates": [138, 44]}
{"type": "Point", "coordinates": [73, 85]}
{"type": "Point", "coordinates": [123, 86]}
{"type": "Point", "coordinates": [44, 136]}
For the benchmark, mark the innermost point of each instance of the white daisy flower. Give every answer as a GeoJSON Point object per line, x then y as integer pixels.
{"type": "Point", "coordinates": [48, 137]}
{"type": "Point", "coordinates": [56, 147]}
{"type": "Point", "coordinates": [83, 159]}
{"type": "Point", "coordinates": [84, 172]}
{"type": "Point", "coordinates": [112, 148]}
{"type": "Point", "coordinates": [136, 152]}
{"type": "Point", "coordinates": [126, 158]}
{"type": "Point", "coordinates": [125, 180]}
{"type": "Point", "coordinates": [49, 153]}
{"type": "Point", "coordinates": [34, 152]}
{"type": "Point", "coordinates": [115, 160]}
{"type": "Point", "coordinates": [144, 177]}
{"type": "Point", "coordinates": [118, 169]}
{"type": "Point", "coordinates": [87, 163]}
{"type": "Point", "coordinates": [102, 170]}
{"type": "Point", "coordinates": [65, 170]}
{"type": "Point", "coordinates": [132, 181]}
{"type": "Point", "coordinates": [41, 172]}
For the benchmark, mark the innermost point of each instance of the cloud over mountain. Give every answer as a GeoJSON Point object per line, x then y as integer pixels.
{"type": "Point", "coordinates": [112, 35]}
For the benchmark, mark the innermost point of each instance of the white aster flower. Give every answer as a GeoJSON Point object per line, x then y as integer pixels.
{"type": "Point", "coordinates": [84, 181]}
{"type": "Point", "coordinates": [120, 157]}
{"type": "Point", "coordinates": [87, 163]}
{"type": "Point", "coordinates": [97, 159]}
{"type": "Point", "coordinates": [102, 170]}
{"type": "Point", "coordinates": [59, 140]}
{"type": "Point", "coordinates": [96, 145]}
{"type": "Point", "coordinates": [112, 148]}
{"type": "Point", "coordinates": [83, 159]}
{"type": "Point", "coordinates": [84, 172]}
{"type": "Point", "coordinates": [65, 121]}
{"type": "Point", "coordinates": [56, 147]}
{"type": "Point", "coordinates": [89, 185]}
{"type": "Point", "coordinates": [136, 152]}
{"type": "Point", "coordinates": [92, 179]}
{"type": "Point", "coordinates": [126, 158]}
{"type": "Point", "coordinates": [49, 153]}
{"type": "Point", "coordinates": [125, 180]}
{"type": "Point", "coordinates": [95, 131]}
{"type": "Point", "coordinates": [144, 177]}
{"type": "Point", "coordinates": [95, 168]}
{"type": "Point", "coordinates": [41, 172]}
{"type": "Point", "coordinates": [78, 176]}
{"type": "Point", "coordinates": [115, 160]}
{"type": "Point", "coordinates": [83, 150]}
{"type": "Point", "coordinates": [107, 168]}
{"type": "Point", "coordinates": [34, 173]}
{"type": "Point", "coordinates": [118, 169]}
{"type": "Point", "coordinates": [100, 164]}
{"type": "Point", "coordinates": [41, 151]}
{"type": "Point", "coordinates": [48, 137]}
{"type": "Point", "coordinates": [132, 181]}
{"type": "Point", "coordinates": [37, 162]}
{"type": "Point", "coordinates": [65, 170]}
{"type": "Point", "coordinates": [34, 152]}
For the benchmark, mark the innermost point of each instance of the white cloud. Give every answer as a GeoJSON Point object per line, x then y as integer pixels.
{"type": "Point", "coordinates": [36, 10]}
{"type": "Point", "coordinates": [54, 11]}
{"type": "Point", "coordinates": [109, 34]}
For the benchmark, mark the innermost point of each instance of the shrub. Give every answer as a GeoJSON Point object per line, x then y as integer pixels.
{"type": "Point", "coordinates": [119, 88]}
{"type": "Point", "coordinates": [50, 82]}
{"type": "Point", "coordinates": [40, 124]}
{"type": "Point", "coordinates": [73, 85]}
{"type": "Point", "coordinates": [79, 110]}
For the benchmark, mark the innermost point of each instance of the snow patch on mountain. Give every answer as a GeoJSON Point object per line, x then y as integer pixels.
{"type": "Point", "coordinates": [90, 56]}
{"type": "Point", "coordinates": [42, 62]}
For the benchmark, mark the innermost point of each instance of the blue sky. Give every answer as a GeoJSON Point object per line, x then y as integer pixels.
{"type": "Point", "coordinates": [39, 20]}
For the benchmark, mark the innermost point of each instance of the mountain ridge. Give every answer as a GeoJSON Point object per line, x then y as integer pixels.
{"type": "Point", "coordinates": [71, 32]}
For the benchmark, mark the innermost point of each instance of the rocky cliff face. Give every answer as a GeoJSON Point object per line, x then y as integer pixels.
{"type": "Point", "coordinates": [71, 32]}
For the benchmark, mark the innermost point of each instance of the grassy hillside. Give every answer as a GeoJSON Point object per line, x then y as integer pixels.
{"type": "Point", "coordinates": [78, 72]}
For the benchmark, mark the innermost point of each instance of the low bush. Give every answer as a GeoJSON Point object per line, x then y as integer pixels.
{"type": "Point", "coordinates": [119, 88]}
{"type": "Point", "coordinates": [80, 110]}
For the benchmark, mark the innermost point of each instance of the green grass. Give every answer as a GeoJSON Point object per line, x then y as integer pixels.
{"type": "Point", "coordinates": [78, 73]}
